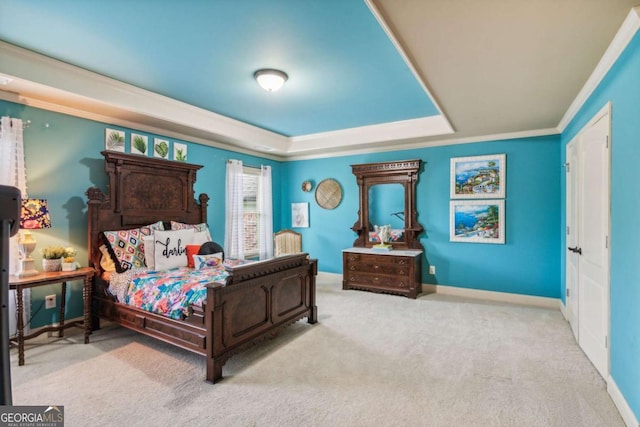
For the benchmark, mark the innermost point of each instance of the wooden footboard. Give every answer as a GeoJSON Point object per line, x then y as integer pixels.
{"type": "Point", "coordinates": [258, 300]}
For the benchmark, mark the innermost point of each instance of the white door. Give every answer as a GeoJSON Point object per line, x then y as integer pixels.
{"type": "Point", "coordinates": [572, 257]}
{"type": "Point", "coordinates": [587, 264]}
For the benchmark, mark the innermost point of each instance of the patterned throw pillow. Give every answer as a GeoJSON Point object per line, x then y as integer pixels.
{"type": "Point", "coordinates": [126, 247]}
{"type": "Point", "coordinates": [175, 225]}
{"type": "Point", "coordinates": [204, 261]}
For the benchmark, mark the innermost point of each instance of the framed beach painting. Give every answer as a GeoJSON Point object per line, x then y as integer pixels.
{"type": "Point", "coordinates": [300, 215]}
{"type": "Point", "coordinates": [477, 221]}
{"type": "Point", "coordinates": [478, 177]}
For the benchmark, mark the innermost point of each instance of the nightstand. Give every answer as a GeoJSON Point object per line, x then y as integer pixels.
{"type": "Point", "coordinates": [49, 278]}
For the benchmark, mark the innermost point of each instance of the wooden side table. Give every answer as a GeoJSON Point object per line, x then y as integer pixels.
{"type": "Point", "coordinates": [50, 278]}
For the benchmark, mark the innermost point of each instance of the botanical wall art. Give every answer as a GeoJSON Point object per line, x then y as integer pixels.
{"type": "Point", "coordinates": [300, 215]}
{"type": "Point", "coordinates": [139, 144]}
{"type": "Point", "coordinates": [161, 148]}
{"type": "Point", "coordinates": [477, 221]}
{"type": "Point", "coordinates": [179, 152]}
{"type": "Point", "coordinates": [480, 177]}
{"type": "Point", "coordinates": [114, 140]}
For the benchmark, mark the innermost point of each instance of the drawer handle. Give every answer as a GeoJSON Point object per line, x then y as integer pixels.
{"type": "Point", "coordinates": [352, 258]}
{"type": "Point", "coordinates": [401, 272]}
{"type": "Point", "coordinates": [376, 267]}
{"type": "Point", "coordinates": [352, 268]}
{"type": "Point", "coordinates": [402, 262]}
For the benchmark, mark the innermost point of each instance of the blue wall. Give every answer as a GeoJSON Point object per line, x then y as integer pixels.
{"type": "Point", "coordinates": [64, 159]}
{"type": "Point", "coordinates": [621, 87]}
{"type": "Point", "coordinates": [527, 264]}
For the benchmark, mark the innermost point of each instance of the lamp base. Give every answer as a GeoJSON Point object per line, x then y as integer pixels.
{"type": "Point", "coordinates": [27, 268]}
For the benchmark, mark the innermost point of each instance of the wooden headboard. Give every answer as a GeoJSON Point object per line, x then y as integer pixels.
{"type": "Point", "coordinates": [142, 190]}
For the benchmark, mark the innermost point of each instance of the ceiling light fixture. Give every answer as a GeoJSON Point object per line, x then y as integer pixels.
{"type": "Point", "coordinates": [269, 79]}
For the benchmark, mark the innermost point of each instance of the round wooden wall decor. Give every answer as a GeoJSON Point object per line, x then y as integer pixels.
{"type": "Point", "coordinates": [328, 194]}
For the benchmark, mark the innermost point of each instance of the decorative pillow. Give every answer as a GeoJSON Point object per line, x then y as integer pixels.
{"type": "Point", "coordinates": [191, 251]}
{"type": "Point", "coordinates": [170, 248]}
{"type": "Point", "coordinates": [201, 237]}
{"type": "Point", "coordinates": [106, 262]}
{"type": "Point", "coordinates": [126, 246]}
{"type": "Point", "coordinates": [203, 261]}
{"type": "Point", "coordinates": [149, 251]}
{"type": "Point", "coordinates": [198, 227]}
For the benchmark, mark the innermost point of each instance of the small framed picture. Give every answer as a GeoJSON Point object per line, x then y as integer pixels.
{"type": "Point", "coordinates": [160, 148]}
{"type": "Point", "coordinates": [300, 215]}
{"type": "Point", "coordinates": [114, 140]}
{"type": "Point", "coordinates": [477, 221]}
{"type": "Point", "coordinates": [478, 177]}
{"type": "Point", "coordinates": [179, 152]}
{"type": "Point", "coordinates": [139, 144]}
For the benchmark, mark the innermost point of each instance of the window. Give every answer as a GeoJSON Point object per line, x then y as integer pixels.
{"type": "Point", "coordinates": [251, 216]}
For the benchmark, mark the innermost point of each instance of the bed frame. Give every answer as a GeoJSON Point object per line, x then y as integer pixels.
{"type": "Point", "coordinates": [258, 299]}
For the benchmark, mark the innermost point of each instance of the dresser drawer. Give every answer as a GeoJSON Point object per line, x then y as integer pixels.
{"type": "Point", "coordinates": [378, 259]}
{"type": "Point", "coordinates": [376, 266]}
{"type": "Point", "coordinates": [387, 282]}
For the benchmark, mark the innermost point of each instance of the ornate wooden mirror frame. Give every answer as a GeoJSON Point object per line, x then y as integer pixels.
{"type": "Point", "coordinates": [403, 172]}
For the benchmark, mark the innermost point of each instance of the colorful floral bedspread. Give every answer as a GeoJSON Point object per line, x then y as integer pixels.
{"type": "Point", "coordinates": [169, 292]}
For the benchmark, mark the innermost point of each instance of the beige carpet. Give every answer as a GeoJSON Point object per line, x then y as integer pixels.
{"type": "Point", "coordinates": [372, 360]}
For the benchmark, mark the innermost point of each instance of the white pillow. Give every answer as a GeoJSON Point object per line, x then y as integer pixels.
{"type": "Point", "coordinates": [201, 237]}
{"type": "Point", "coordinates": [149, 251]}
{"type": "Point", "coordinates": [170, 248]}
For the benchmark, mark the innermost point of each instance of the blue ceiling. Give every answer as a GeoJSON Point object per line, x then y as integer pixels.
{"type": "Point", "coordinates": [344, 71]}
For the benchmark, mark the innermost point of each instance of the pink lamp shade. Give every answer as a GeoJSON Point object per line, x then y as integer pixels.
{"type": "Point", "coordinates": [34, 214]}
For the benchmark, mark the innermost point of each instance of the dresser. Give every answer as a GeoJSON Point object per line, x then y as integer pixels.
{"type": "Point", "coordinates": [393, 272]}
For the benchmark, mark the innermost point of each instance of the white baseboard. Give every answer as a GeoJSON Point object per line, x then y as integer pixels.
{"type": "Point", "coordinates": [554, 303]}
{"type": "Point", "coordinates": [623, 407]}
{"type": "Point", "coordinates": [563, 310]}
{"type": "Point", "coordinates": [493, 296]}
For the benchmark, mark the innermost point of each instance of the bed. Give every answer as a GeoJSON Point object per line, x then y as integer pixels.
{"type": "Point", "coordinates": [255, 300]}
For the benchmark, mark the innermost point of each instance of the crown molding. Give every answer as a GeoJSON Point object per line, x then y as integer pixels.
{"type": "Point", "coordinates": [620, 41]}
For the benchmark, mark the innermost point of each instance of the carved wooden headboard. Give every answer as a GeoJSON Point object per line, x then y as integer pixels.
{"type": "Point", "coordinates": [142, 190]}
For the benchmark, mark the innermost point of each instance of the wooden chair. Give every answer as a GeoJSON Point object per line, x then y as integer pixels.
{"type": "Point", "coordinates": [287, 242]}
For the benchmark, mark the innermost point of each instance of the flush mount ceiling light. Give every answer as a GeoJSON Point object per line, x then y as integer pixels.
{"type": "Point", "coordinates": [269, 79]}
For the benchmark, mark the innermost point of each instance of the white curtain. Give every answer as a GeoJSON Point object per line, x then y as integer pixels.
{"type": "Point", "coordinates": [234, 211]}
{"type": "Point", "coordinates": [265, 207]}
{"type": "Point", "coordinates": [13, 173]}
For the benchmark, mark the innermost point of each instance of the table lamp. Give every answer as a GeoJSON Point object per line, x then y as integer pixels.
{"type": "Point", "coordinates": [33, 215]}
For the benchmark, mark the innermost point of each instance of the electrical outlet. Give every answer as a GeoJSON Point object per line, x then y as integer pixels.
{"type": "Point", "coordinates": [50, 301]}
{"type": "Point", "coordinates": [432, 269]}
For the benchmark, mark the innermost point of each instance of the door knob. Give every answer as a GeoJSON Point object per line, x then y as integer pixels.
{"type": "Point", "coordinates": [576, 250]}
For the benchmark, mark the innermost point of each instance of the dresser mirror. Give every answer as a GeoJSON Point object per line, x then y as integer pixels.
{"type": "Point", "coordinates": [386, 206]}
{"type": "Point", "coordinates": [387, 196]}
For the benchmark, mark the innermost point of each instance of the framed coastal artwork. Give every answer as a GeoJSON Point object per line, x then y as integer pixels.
{"type": "Point", "coordinates": [114, 140]}
{"type": "Point", "coordinates": [139, 144]}
{"type": "Point", "coordinates": [300, 215]}
{"type": "Point", "coordinates": [477, 221]}
{"type": "Point", "coordinates": [478, 177]}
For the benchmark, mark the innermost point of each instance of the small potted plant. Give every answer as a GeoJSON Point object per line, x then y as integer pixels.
{"type": "Point", "coordinates": [68, 259]}
{"type": "Point", "coordinates": [52, 258]}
